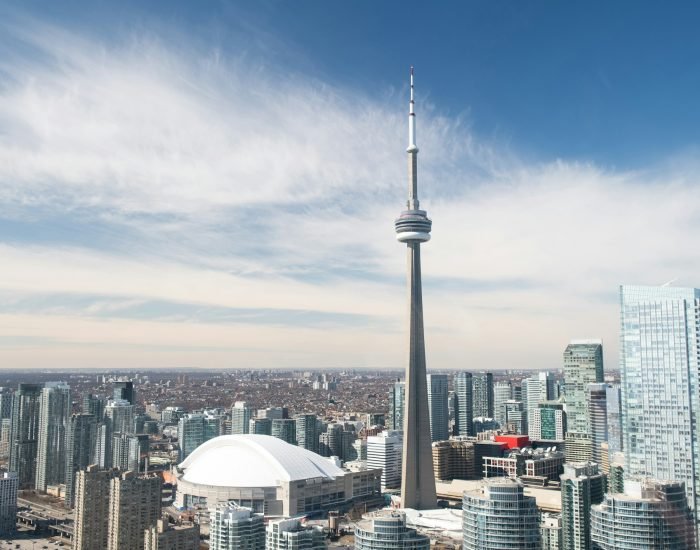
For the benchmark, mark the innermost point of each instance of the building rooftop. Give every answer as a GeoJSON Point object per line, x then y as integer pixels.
{"type": "Point", "coordinates": [253, 461]}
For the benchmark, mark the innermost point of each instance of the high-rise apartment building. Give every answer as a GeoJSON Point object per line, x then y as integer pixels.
{"type": "Point", "coordinates": [653, 515]}
{"type": "Point", "coordinates": [194, 429]}
{"type": "Point", "coordinates": [163, 536]}
{"type": "Point", "coordinates": [499, 515]}
{"type": "Point", "coordinates": [597, 397]}
{"type": "Point", "coordinates": [260, 426]}
{"type": "Point", "coordinates": [94, 405]}
{"type": "Point", "coordinates": [134, 506]}
{"type": "Point", "coordinates": [550, 531]}
{"type": "Point", "coordinates": [413, 228]}
{"type": "Point", "coordinates": [502, 392]}
{"type": "Point", "coordinates": [119, 416]}
{"type": "Point", "coordinates": [307, 431]}
{"type": "Point", "coordinates": [80, 444]}
{"type": "Point", "coordinates": [397, 397]}
{"type": "Point", "coordinates": [124, 390]}
{"type": "Point", "coordinates": [54, 412]}
{"type": "Point", "coordinates": [9, 484]}
{"type": "Point", "coordinates": [659, 347]}
{"type": "Point", "coordinates": [582, 485]}
{"type": "Point", "coordinates": [437, 407]}
{"type": "Point", "coordinates": [464, 408]}
{"type": "Point", "coordinates": [614, 410]}
{"type": "Point", "coordinates": [386, 529]}
{"type": "Point", "coordinates": [92, 487]}
{"type": "Point", "coordinates": [385, 451]}
{"type": "Point", "coordinates": [548, 422]}
{"type": "Point", "coordinates": [240, 418]}
{"type": "Point", "coordinates": [482, 392]}
{"type": "Point", "coordinates": [6, 396]}
{"type": "Point", "coordinates": [285, 429]}
{"type": "Point", "coordinates": [583, 365]}
{"type": "Point", "coordinates": [536, 390]}
{"type": "Point", "coordinates": [516, 417]}
{"type": "Point", "coordinates": [233, 527]}
{"type": "Point", "coordinates": [24, 433]}
{"type": "Point", "coordinates": [129, 452]}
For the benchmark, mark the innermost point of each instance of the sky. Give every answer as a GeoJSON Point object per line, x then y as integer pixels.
{"type": "Point", "coordinates": [213, 184]}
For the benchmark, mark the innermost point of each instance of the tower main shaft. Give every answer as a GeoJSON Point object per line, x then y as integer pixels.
{"type": "Point", "coordinates": [413, 227]}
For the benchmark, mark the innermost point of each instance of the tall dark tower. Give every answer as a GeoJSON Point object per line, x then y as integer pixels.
{"type": "Point", "coordinates": [413, 228]}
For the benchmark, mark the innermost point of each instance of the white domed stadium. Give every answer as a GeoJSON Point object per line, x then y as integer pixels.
{"type": "Point", "coordinates": [269, 475]}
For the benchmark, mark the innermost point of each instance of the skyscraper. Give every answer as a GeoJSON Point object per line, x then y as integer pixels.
{"type": "Point", "coordinates": [652, 515]}
{"type": "Point", "coordinates": [134, 506]}
{"type": "Point", "coordinates": [614, 411]}
{"type": "Point", "coordinates": [128, 451]}
{"type": "Point", "coordinates": [94, 405]}
{"type": "Point", "coordinates": [498, 516]}
{"type": "Point", "coordinates": [516, 417]}
{"type": "Point", "coordinates": [581, 486]}
{"type": "Point", "coordinates": [285, 429]}
{"type": "Point", "coordinates": [119, 416]}
{"type": "Point", "coordinates": [240, 418]}
{"type": "Point", "coordinates": [307, 431]}
{"type": "Point", "coordinates": [233, 527]}
{"type": "Point", "coordinates": [194, 429]}
{"type": "Point", "coordinates": [413, 228]}
{"type": "Point", "coordinates": [583, 365]}
{"type": "Point", "coordinates": [597, 418]}
{"type": "Point", "coordinates": [8, 502]}
{"type": "Point", "coordinates": [437, 405]}
{"type": "Point", "coordinates": [54, 413]}
{"type": "Point", "coordinates": [92, 508]}
{"type": "Point", "coordinates": [260, 426]}
{"type": "Point", "coordinates": [536, 390]}
{"type": "Point", "coordinates": [548, 422]}
{"type": "Point", "coordinates": [80, 442]}
{"type": "Point", "coordinates": [660, 388]}
{"type": "Point", "coordinates": [125, 390]}
{"type": "Point", "coordinates": [384, 451]}
{"type": "Point", "coordinates": [464, 424]}
{"type": "Point", "coordinates": [482, 391]}
{"type": "Point", "coordinates": [502, 392]}
{"type": "Point", "coordinates": [397, 397]}
{"type": "Point", "coordinates": [24, 433]}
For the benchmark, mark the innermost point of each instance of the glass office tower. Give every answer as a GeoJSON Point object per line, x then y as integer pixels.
{"type": "Point", "coordinates": [659, 374]}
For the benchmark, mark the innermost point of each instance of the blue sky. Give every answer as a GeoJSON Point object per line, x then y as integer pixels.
{"type": "Point", "coordinates": [213, 184]}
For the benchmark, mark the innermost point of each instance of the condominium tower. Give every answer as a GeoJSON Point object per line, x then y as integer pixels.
{"type": "Point", "coordinates": [498, 516]}
{"type": "Point", "coordinates": [652, 515]}
{"type": "Point", "coordinates": [386, 529]}
{"type": "Point", "coordinates": [54, 413]}
{"type": "Point", "coordinates": [92, 487]}
{"type": "Point", "coordinates": [660, 328]}
{"type": "Point", "coordinates": [583, 365]}
{"type": "Point", "coordinates": [134, 506]}
{"type": "Point", "coordinates": [482, 392]}
{"type": "Point", "coordinates": [437, 405]}
{"type": "Point", "coordinates": [581, 486]}
{"type": "Point", "coordinates": [464, 424]}
{"type": "Point", "coordinates": [24, 433]}
{"type": "Point", "coordinates": [233, 527]}
{"type": "Point", "coordinates": [413, 228]}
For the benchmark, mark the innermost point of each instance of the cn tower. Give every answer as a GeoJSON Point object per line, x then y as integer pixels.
{"type": "Point", "coordinates": [413, 228]}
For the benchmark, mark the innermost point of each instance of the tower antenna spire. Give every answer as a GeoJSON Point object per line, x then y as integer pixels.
{"type": "Point", "coordinates": [412, 121]}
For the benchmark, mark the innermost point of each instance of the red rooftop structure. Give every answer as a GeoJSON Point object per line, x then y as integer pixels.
{"type": "Point", "coordinates": [513, 441]}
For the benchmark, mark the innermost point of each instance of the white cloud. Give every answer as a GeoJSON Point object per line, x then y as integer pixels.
{"type": "Point", "coordinates": [227, 183]}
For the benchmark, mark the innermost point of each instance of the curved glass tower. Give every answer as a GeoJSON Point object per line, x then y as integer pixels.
{"type": "Point", "coordinates": [413, 228]}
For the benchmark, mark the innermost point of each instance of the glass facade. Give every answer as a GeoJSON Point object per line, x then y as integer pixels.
{"type": "Point", "coordinates": [386, 530]}
{"type": "Point", "coordinates": [437, 406]}
{"type": "Point", "coordinates": [463, 404]}
{"type": "Point", "coordinates": [499, 516]}
{"type": "Point", "coordinates": [659, 374]}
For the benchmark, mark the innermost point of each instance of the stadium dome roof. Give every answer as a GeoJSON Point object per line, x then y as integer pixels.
{"type": "Point", "coordinates": [253, 461]}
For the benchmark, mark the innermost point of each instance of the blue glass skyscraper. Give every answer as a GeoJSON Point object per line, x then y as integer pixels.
{"type": "Point", "coordinates": [660, 327]}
